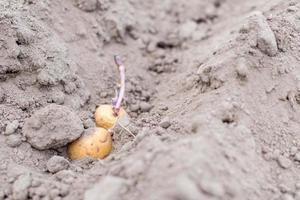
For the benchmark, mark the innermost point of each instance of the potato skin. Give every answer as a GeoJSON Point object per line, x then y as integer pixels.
{"type": "Point", "coordinates": [104, 116]}
{"type": "Point", "coordinates": [96, 143]}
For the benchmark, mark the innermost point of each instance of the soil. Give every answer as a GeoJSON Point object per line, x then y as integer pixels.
{"type": "Point", "coordinates": [212, 90]}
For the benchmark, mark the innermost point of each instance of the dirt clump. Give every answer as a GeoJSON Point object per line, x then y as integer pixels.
{"type": "Point", "coordinates": [52, 127]}
{"type": "Point", "coordinates": [57, 163]}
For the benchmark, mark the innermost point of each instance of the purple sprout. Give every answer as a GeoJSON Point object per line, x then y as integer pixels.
{"type": "Point", "coordinates": [119, 93]}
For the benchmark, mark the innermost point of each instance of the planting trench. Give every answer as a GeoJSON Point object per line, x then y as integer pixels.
{"type": "Point", "coordinates": [212, 90]}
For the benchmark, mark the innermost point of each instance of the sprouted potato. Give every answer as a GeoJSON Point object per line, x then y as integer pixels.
{"type": "Point", "coordinates": [98, 142]}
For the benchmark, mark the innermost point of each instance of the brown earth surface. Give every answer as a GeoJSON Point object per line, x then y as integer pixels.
{"type": "Point", "coordinates": [212, 90]}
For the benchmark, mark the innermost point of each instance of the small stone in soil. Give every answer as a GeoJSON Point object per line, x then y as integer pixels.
{"type": "Point", "coordinates": [163, 107]}
{"type": "Point", "coordinates": [13, 140]}
{"type": "Point", "coordinates": [266, 40]}
{"type": "Point", "coordinates": [103, 94]}
{"type": "Point", "coordinates": [293, 151]}
{"type": "Point", "coordinates": [213, 188]}
{"type": "Point", "coordinates": [59, 97]}
{"type": "Point", "coordinates": [242, 69]}
{"type": "Point", "coordinates": [134, 108]}
{"type": "Point", "coordinates": [297, 156]}
{"type": "Point", "coordinates": [151, 47]}
{"type": "Point", "coordinates": [145, 107]}
{"type": "Point", "coordinates": [2, 95]}
{"type": "Point", "coordinates": [187, 29]}
{"type": "Point", "coordinates": [284, 188]}
{"type": "Point", "coordinates": [292, 9]}
{"type": "Point", "coordinates": [88, 123]}
{"type": "Point", "coordinates": [54, 193]}
{"type": "Point", "coordinates": [20, 187]}
{"type": "Point", "coordinates": [165, 123]}
{"type": "Point", "coordinates": [11, 127]}
{"type": "Point", "coordinates": [284, 162]}
{"type": "Point", "coordinates": [57, 163]}
{"type": "Point", "coordinates": [65, 176]}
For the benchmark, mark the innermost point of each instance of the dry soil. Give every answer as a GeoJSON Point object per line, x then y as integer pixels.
{"type": "Point", "coordinates": [212, 89]}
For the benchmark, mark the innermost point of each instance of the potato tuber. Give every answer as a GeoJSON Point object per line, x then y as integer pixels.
{"type": "Point", "coordinates": [105, 117]}
{"type": "Point", "coordinates": [96, 143]}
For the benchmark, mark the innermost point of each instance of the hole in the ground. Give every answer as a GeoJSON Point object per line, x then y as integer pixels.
{"type": "Point", "coordinates": [212, 18]}
{"type": "Point", "coordinates": [217, 4]}
{"type": "Point", "coordinates": [201, 20]}
{"type": "Point", "coordinates": [297, 97]}
{"type": "Point", "coordinates": [18, 42]}
{"type": "Point", "coordinates": [165, 45]}
{"type": "Point", "coordinates": [227, 120]}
